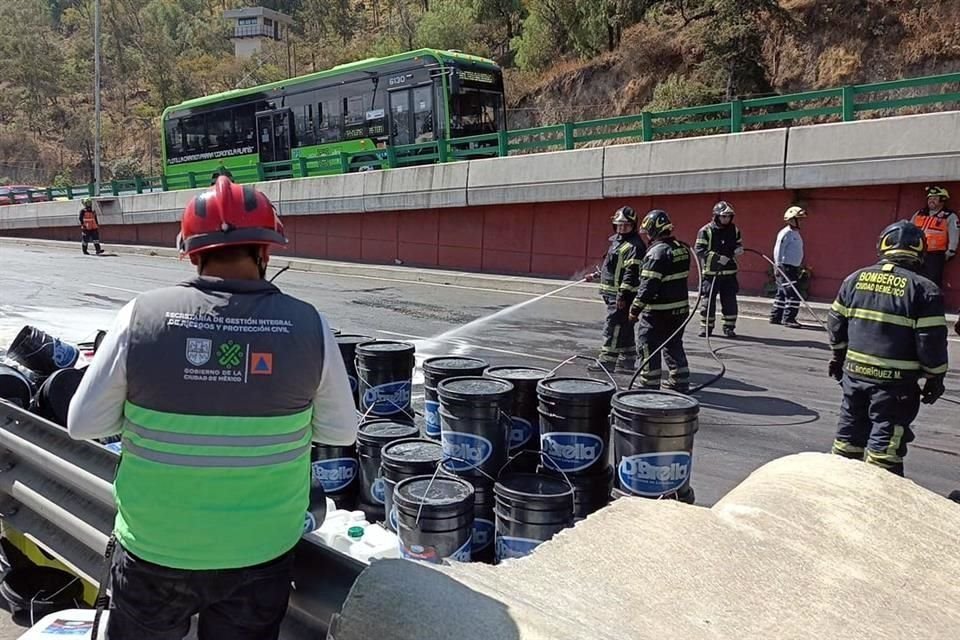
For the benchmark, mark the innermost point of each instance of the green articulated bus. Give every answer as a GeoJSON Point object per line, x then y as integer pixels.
{"type": "Point", "coordinates": [367, 106]}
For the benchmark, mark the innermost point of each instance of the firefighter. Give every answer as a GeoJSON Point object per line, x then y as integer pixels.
{"type": "Point", "coordinates": [887, 330]}
{"type": "Point", "coordinates": [718, 246]}
{"type": "Point", "coordinates": [662, 304]}
{"type": "Point", "coordinates": [788, 256]}
{"type": "Point", "coordinates": [214, 479]}
{"type": "Point", "coordinates": [89, 228]}
{"type": "Point", "coordinates": [942, 230]}
{"type": "Point", "coordinates": [618, 286]}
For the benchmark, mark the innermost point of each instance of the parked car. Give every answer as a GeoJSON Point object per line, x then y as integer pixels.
{"type": "Point", "coordinates": [21, 193]}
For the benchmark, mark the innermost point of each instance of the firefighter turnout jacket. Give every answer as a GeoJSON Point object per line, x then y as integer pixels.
{"type": "Point", "coordinates": [715, 242]}
{"type": "Point", "coordinates": [663, 279]}
{"type": "Point", "coordinates": [621, 266]}
{"type": "Point", "coordinates": [889, 322]}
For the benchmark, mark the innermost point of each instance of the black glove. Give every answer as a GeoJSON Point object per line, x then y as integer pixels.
{"type": "Point", "coordinates": [932, 389]}
{"type": "Point", "coordinates": [835, 369]}
{"type": "Point", "coordinates": [621, 304]}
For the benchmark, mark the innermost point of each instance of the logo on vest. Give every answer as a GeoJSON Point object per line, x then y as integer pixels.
{"type": "Point", "coordinates": [334, 474]}
{"type": "Point", "coordinates": [387, 399]}
{"type": "Point", "coordinates": [571, 452]}
{"type": "Point", "coordinates": [654, 474]}
{"type": "Point", "coordinates": [230, 354]}
{"type": "Point", "coordinates": [199, 351]}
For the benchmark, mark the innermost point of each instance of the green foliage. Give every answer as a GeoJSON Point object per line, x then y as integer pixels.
{"type": "Point", "coordinates": [677, 91]}
{"type": "Point", "coordinates": [126, 168]}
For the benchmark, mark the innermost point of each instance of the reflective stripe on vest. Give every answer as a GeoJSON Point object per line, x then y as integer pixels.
{"type": "Point", "coordinates": [935, 229]}
{"type": "Point", "coordinates": [201, 479]}
{"type": "Point", "coordinates": [89, 221]}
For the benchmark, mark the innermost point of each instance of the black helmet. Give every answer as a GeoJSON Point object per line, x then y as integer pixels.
{"type": "Point", "coordinates": [657, 224]}
{"type": "Point", "coordinates": [902, 242]}
{"type": "Point", "coordinates": [625, 215]}
{"type": "Point", "coordinates": [723, 208]}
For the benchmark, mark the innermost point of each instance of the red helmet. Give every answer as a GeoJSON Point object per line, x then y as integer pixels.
{"type": "Point", "coordinates": [229, 214]}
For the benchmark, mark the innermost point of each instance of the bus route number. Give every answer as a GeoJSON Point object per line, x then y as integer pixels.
{"type": "Point", "coordinates": [397, 80]}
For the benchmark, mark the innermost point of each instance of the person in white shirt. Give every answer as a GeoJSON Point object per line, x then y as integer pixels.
{"type": "Point", "coordinates": [788, 255]}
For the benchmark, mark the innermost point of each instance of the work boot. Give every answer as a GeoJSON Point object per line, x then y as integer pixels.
{"type": "Point", "coordinates": [626, 366]}
{"type": "Point", "coordinates": [728, 332]}
{"type": "Point", "coordinates": [793, 324]}
{"type": "Point", "coordinates": [775, 320]}
{"type": "Point", "coordinates": [609, 367]}
{"type": "Point", "coordinates": [955, 496]}
{"type": "Point", "coordinates": [679, 387]}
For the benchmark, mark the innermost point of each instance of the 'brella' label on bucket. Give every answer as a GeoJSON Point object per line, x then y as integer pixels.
{"type": "Point", "coordinates": [511, 547]}
{"type": "Point", "coordinates": [378, 491]}
{"type": "Point", "coordinates": [654, 474]}
{"type": "Point", "coordinates": [569, 451]}
{"type": "Point", "coordinates": [431, 411]}
{"type": "Point", "coordinates": [483, 531]}
{"type": "Point", "coordinates": [520, 433]}
{"type": "Point", "coordinates": [463, 451]}
{"type": "Point", "coordinates": [334, 474]}
{"type": "Point", "coordinates": [387, 399]}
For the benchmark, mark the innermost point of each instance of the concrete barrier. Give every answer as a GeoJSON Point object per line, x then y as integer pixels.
{"type": "Point", "coordinates": [543, 177]}
{"type": "Point", "coordinates": [18, 216]}
{"type": "Point", "coordinates": [329, 194]}
{"type": "Point", "coordinates": [921, 148]}
{"type": "Point", "coordinates": [59, 213]}
{"type": "Point", "coordinates": [427, 187]}
{"type": "Point", "coordinates": [739, 162]}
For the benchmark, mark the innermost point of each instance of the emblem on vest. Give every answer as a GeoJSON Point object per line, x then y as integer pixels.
{"type": "Point", "coordinates": [199, 351]}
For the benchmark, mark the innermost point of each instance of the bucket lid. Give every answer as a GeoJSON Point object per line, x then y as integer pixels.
{"type": "Point", "coordinates": [452, 364]}
{"type": "Point", "coordinates": [440, 492]}
{"type": "Point", "coordinates": [532, 487]}
{"type": "Point", "coordinates": [351, 338]}
{"type": "Point", "coordinates": [385, 349]}
{"type": "Point", "coordinates": [517, 373]}
{"type": "Point", "coordinates": [412, 451]}
{"type": "Point", "coordinates": [650, 402]}
{"type": "Point", "coordinates": [381, 432]}
{"type": "Point", "coordinates": [575, 388]}
{"type": "Point", "coordinates": [471, 388]}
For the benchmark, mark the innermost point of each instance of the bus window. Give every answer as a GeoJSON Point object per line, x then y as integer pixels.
{"type": "Point", "coordinates": [245, 125]}
{"type": "Point", "coordinates": [195, 134]}
{"type": "Point", "coordinates": [354, 111]}
{"type": "Point", "coordinates": [328, 116]}
{"type": "Point", "coordinates": [303, 121]}
{"type": "Point", "coordinates": [423, 114]}
{"type": "Point", "coordinates": [475, 112]}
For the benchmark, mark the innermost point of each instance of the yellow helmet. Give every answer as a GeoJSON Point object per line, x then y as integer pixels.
{"type": "Point", "coordinates": [794, 212]}
{"type": "Point", "coordinates": [938, 192]}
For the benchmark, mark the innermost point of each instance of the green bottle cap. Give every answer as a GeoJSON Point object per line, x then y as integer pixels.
{"type": "Point", "coordinates": [355, 532]}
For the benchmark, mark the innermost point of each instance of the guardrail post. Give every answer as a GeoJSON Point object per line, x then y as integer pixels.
{"type": "Point", "coordinates": [163, 182]}
{"type": "Point", "coordinates": [443, 151]}
{"type": "Point", "coordinates": [503, 143]}
{"type": "Point", "coordinates": [568, 142]}
{"type": "Point", "coordinates": [261, 174]}
{"type": "Point", "coordinates": [736, 115]}
{"type": "Point", "coordinates": [69, 192]}
{"type": "Point", "coordinates": [49, 193]}
{"type": "Point", "coordinates": [91, 189]}
{"type": "Point", "coordinates": [647, 126]}
{"type": "Point", "coordinates": [392, 156]}
{"type": "Point", "coordinates": [138, 181]}
{"type": "Point", "coordinates": [303, 167]}
{"type": "Point", "coordinates": [344, 163]}
{"type": "Point", "coordinates": [849, 104]}
{"type": "Point", "coordinates": [114, 187]}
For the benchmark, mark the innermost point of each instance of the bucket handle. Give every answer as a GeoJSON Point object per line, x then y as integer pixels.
{"type": "Point", "coordinates": [436, 473]}
{"type": "Point", "coordinates": [543, 458]}
{"type": "Point", "coordinates": [410, 414]}
{"type": "Point", "coordinates": [588, 359]}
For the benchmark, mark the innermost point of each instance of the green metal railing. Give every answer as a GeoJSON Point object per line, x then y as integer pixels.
{"type": "Point", "coordinates": [842, 104]}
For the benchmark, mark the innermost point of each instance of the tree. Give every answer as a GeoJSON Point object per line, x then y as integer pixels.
{"type": "Point", "coordinates": [449, 24]}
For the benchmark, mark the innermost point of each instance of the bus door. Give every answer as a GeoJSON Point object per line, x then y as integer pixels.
{"type": "Point", "coordinates": [411, 115]}
{"type": "Point", "coordinates": [273, 135]}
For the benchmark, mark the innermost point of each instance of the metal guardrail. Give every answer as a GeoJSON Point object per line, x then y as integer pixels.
{"type": "Point", "coordinates": [59, 492]}
{"type": "Point", "coordinates": [841, 104]}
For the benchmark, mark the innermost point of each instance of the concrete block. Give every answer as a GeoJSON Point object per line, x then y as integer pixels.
{"type": "Point", "coordinates": [59, 213]}
{"type": "Point", "coordinates": [732, 162]}
{"type": "Point", "coordinates": [906, 149]}
{"type": "Point", "coordinates": [18, 216]}
{"type": "Point", "coordinates": [427, 187]}
{"type": "Point", "coordinates": [327, 194]}
{"type": "Point", "coordinates": [542, 177]}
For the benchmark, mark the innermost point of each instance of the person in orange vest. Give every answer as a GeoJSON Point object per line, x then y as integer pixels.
{"type": "Point", "coordinates": [942, 230]}
{"type": "Point", "coordinates": [89, 227]}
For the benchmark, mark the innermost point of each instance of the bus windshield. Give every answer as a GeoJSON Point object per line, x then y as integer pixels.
{"type": "Point", "coordinates": [476, 112]}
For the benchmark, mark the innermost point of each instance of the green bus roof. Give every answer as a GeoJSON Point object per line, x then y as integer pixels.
{"type": "Point", "coordinates": [360, 65]}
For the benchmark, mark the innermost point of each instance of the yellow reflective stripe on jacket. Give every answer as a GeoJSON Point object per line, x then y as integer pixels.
{"type": "Point", "coordinates": [676, 276]}
{"type": "Point", "coordinates": [889, 318]}
{"type": "Point", "coordinates": [890, 363]}
{"type": "Point", "coordinates": [652, 275]}
{"type": "Point", "coordinates": [931, 321]}
{"type": "Point", "coordinates": [936, 371]}
{"type": "Point", "coordinates": [669, 306]}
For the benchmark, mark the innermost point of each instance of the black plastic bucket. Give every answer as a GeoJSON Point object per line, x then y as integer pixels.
{"type": "Point", "coordinates": [435, 518]}
{"type": "Point", "coordinates": [41, 591]}
{"type": "Point", "coordinates": [372, 436]}
{"type": "Point", "coordinates": [653, 442]}
{"type": "Point", "coordinates": [575, 423]}
{"type": "Point", "coordinates": [385, 371]}
{"type": "Point", "coordinates": [348, 351]}
{"type": "Point", "coordinates": [404, 459]}
{"type": "Point", "coordinates": [530, 510]}
{"type": "Point", "coordinates": [435, 371]}
{"type": "Point", "coordinates": [15, 387]}
{"type": "Point", "coordinates": [524, 434]}
{"type": "Point", "coordinates": [475, 425]}
{"type": "Point", "coordinates": [317, 511]}
{"type": "Point", "coordinates": [591, 492]}
{"type": "Point", "coordinates": [338, 471]}
{"type": "Point", "coordinates": [484, 522]}
{"type": "Point", "coordinates": [53, 398]}
{"type": "Point", "coordinates": [42, 353]}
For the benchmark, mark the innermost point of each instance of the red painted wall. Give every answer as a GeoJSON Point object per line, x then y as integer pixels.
{"type": "Point", "coordinates": [563, 239]}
